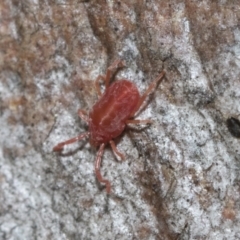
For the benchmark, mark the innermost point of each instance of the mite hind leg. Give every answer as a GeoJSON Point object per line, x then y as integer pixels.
{"type": "Point", "coordinates": [97, 169]}
{"type": "Point", "coordinates": [115, 150]}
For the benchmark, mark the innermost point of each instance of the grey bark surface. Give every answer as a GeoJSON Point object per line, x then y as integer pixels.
{"type": "Point", "coordinates": [180, 179]}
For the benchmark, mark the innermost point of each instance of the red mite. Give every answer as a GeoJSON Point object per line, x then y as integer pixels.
{"type": "Point", "coordinates": [109, 116]}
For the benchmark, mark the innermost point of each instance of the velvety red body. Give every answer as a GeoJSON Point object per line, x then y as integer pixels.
{"type": "Point", "coordinates": [107, 119]}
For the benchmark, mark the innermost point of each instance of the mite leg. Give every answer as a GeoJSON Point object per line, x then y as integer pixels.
{"type": "Point", "coordinates": [106, 79]}
{"type": "Point", "coordinates": [136, 121]}
{"type": "Point", "coordinates": [97, 169]}
{"type": "Point", "coordinates": [60, 146]}
{"type": "Point", "coordinates": [116, 64]}
{"type": "Point", "coordinates": [114, 148]}
{"type": "Point", "coordinates": [83, 115]}
{"type": "Point", "coordinates": [151, 87]}
{"type": "Point", "coordinates": [97, 84]}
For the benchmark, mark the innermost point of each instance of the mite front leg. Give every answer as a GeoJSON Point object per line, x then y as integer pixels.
{"type": "Point", "coordinates": [83, 115]}
{"type": "Point", "coordinates": [151, 87]}
{"type": "Point", "coordinates": [60, 146]}
{"type": "Point", "coordinates": [116, 64]}
{"type": "Point", "coordinates": [97, 169]}
{"type": "Point", "coordinates": [106, 78]}
{"type": "Point", "coordinates": [137, 121]}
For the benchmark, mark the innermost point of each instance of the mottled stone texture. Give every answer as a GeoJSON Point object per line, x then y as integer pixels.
{"type": "Point", "coordinates": [180, 179]}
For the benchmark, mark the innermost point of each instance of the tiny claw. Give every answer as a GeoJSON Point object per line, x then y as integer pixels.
{"type": "Point", "coordinates": [120, 155]}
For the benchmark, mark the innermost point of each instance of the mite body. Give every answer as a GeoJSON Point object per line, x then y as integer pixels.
{"type": "Point", "coordinates": [109, 116]}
